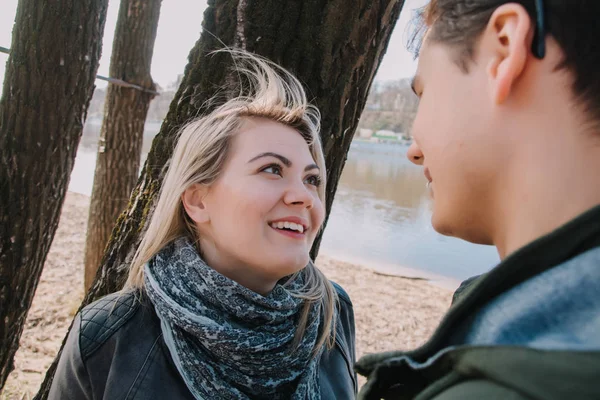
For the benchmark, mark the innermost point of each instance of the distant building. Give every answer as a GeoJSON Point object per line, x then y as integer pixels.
{"type": "Point", "coordinates": [365, 133]}
{"type": "Point", "coordinates": [384, 134]}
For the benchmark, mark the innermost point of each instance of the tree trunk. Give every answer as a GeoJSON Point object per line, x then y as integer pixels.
{"type": "Point", "coordinates": [122, 133]}
{"type": "Point", "coordinates": [49, 82]}
{"type": "Point", "coordinates": [333, 46]}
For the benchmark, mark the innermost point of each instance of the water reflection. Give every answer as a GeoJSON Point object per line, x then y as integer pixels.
{"type": "Point", "coordinates": [385, 176]}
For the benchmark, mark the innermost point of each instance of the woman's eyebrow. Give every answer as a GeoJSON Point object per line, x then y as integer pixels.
{"type": "Point", "coordinates": [281, 158]}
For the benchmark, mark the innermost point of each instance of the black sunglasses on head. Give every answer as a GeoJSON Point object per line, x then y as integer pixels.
{"type": "Point", "coordinates": [539, 39]}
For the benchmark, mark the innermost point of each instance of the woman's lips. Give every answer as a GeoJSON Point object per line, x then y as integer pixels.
{"type": "Point", "coordinates": [291, 234]}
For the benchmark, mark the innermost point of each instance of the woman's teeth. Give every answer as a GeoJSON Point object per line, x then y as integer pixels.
{"type": "Point", "coordinates": [288, 225]}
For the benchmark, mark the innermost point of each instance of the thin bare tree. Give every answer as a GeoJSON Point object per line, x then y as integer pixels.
{"type": "Point", "coordinates": [122, 132]}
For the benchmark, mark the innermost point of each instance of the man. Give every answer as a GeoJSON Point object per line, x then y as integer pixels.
{"type": "Point", "coordinates": [508, 133]}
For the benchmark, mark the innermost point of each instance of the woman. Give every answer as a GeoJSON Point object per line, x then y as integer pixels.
{"type": "Point", "coordinates": [222, 300]}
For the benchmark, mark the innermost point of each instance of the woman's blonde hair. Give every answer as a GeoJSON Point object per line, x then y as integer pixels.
{"type": "Point", "coordinates": [202, 148]}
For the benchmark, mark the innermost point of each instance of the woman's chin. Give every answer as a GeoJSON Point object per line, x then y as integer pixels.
{"type": "Point", "coordinates": [289, 264]}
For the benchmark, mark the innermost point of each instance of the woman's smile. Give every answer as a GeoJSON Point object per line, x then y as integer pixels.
{"type": "Point", "coordinates": [293, 227]}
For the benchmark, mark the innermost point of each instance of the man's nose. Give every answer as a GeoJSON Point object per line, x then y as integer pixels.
{"type": "Point", "coordinates": [414, 154]}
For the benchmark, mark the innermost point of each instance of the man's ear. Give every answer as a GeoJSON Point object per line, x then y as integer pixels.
{"type": "Point", "coordinates": [194, 204]}
{"type": "Point", "coordinates": [509, 35]}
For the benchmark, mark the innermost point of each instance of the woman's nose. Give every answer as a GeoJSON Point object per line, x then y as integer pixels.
{"type": "Point", "coordinates": [415, 154]}
{"type": "Point", "coordinates": [298, 194]}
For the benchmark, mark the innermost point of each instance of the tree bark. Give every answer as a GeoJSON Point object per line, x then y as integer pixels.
{"type": "Point", "coordinates": [49, 82]}
{"type": "Point", "coordinates": [122, 132]}
{"type": "Point", "coordinates": [333, 46]}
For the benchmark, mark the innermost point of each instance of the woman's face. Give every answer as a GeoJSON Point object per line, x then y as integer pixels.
{"type": "Point", "coordinates": [259, 219]}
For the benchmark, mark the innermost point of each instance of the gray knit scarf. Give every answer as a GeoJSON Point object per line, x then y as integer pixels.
{"type": "Point", "coordinates": [227, 341]}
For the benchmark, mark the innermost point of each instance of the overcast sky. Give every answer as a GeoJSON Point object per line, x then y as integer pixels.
{"type": "Point", "coordinates": [179, 28]}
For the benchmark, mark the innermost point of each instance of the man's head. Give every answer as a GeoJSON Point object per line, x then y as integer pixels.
{"type": "Point", "coordinates": [491, 113]}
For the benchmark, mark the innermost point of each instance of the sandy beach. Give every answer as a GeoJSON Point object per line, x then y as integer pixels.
{"type": "Point", "coordinates": [391, 312]}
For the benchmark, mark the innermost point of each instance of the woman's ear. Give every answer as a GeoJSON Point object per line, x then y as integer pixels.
{"type": "Point", "coordinates": [509, 32]}
{"type": "Point", "coordinates": [193, 199]}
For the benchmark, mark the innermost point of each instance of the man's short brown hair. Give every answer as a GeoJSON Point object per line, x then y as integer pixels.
{"type": "Point", "coordinates": [574, 24]}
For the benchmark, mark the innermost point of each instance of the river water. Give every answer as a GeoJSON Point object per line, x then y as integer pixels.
{"type": "Point", "coordinates": [380, 216]}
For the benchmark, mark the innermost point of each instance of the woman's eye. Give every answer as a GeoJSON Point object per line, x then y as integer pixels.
{"type": "Point", "coordinates": [314, 180]}
{"type": "Point", "coordinates": [272, 169]}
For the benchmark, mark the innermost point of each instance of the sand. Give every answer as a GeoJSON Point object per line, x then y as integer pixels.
{"type": "Point", "coordinates": [391, 312]}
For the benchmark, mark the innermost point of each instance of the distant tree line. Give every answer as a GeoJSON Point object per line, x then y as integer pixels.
{"type": "Point", "coordinates": [390, 106]}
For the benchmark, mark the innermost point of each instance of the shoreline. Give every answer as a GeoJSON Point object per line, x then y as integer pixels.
{"type": "Point", "coordinates": [396, 270]}
{"type": "Point", "coordinates": [391, 312]}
